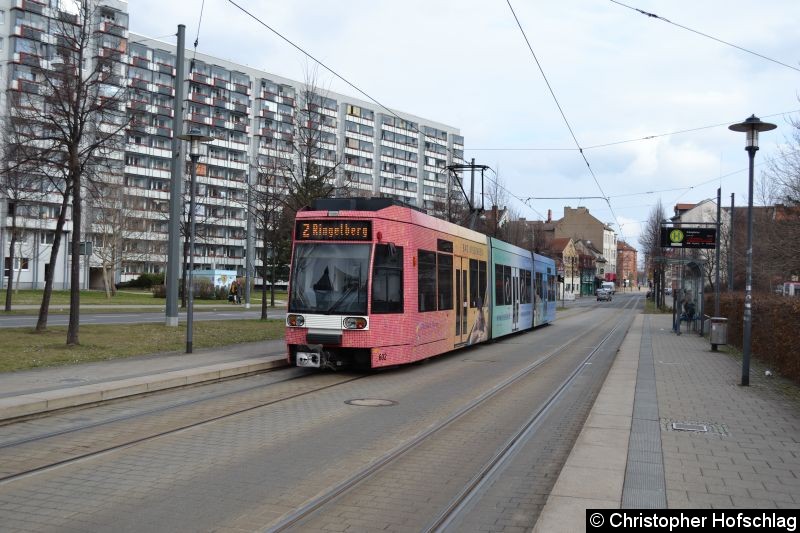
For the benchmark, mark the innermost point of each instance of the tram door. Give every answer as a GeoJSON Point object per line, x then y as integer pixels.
{"type": "Point", "coordinates": [515, 294]}
{"type": "Point", "coordinates": [462, 299]}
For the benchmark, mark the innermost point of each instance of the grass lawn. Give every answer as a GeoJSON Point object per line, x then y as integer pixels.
{"type": "Point", "coordinates": [21, 348]}
{"type": "Point", "coordinates": [123, 297]}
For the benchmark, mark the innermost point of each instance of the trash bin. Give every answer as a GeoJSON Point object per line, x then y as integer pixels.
{"type": "Point", "coordinates": [719, 331]}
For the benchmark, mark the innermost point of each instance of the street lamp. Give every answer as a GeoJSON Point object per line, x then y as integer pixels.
{"type": "Point", "coordinates": [751, 127]}
{"type": "Point", "coordinates": [195, 138]}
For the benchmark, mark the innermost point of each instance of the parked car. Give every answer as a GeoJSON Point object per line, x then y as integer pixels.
{"type": "Point", "coordinates": [603, 294]}
{"type": "Point", "coordinates": [668, 291]}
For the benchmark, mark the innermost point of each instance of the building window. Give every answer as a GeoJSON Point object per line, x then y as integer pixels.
{"type": "Point", "coordinates": [20, 263]}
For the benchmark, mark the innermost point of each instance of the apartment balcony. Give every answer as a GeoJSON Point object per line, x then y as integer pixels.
{"type": "Point", "coordinates": [138, 83]}
{"type": "Point", "coordinates": [114, 53]}
{"type": "Point", "coordinates": [25, 86]}
{"type": "Point", "coordinates": [149, 172]}
{"type": "Point", "coordinates": [199, 119]}
{"type": "Point", "coordinates": [267, 95]}
{"type": "Point", "coordinates": [200, 98]}
{"type": "Point", "coordinates": [29, 32]}
{"type": "Point", "coordinates": [148, 150]}
{"type": "Point", "coordinates": [113, 29]}
{"type": "Point", "coordinates": [200, 78]}
{"type": "Point", "coordinates": [167, 90]}
{"type": "Point", "coordinates": [31, 5]}
{"type": "Point", "coordinates": [241, 89]}
{"type": "Point", "coordinates": [165, 68]}
{"type": "Point", "coordinates": [27, 59]}
{"type": "Point", "coordinates": [140, 62]}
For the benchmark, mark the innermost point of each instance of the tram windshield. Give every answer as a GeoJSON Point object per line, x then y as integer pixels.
{"type": "Point", "coordinates": [329, 278]}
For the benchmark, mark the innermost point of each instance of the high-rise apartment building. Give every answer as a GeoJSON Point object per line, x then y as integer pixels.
{"type": "Point", "coordinates": [255, 119]}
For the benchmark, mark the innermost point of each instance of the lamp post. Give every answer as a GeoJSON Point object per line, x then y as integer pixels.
{"type": "Point", "coordinates": [751, 127]}
{"type": "Point", "coordinates": [195, 138]}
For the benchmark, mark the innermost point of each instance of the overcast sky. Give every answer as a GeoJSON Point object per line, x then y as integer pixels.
{"type": "Point", "coordinates": [616, 73]}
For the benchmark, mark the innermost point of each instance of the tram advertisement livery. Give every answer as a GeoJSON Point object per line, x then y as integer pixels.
{"type": "Point", "coordinates": [377, 283]}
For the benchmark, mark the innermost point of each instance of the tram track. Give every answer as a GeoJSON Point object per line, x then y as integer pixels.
{"type": "Point", "coordinates": [70, 450]}
{"type": "Point", "coordinates": [319, 503]}
{"type": "Point", "coordinates": [86, 446]}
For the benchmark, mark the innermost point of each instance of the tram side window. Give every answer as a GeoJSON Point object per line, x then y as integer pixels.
{"type": "Point", "coordinates": [525, 279]}
{"type": "Point", "coordinates": [445, 271]}
{"type": "Point", "coordinates": [477, 282]}
{"type": "Point", "coordinates": [507, 284]}
{"type": "Point", "coordinates": [551, 290]}
{"type": "Point", "coordinates": [387, 279]}
{"type": "Point", "coordinates": [499, 298]}
{"type": "Point", "coordinates": [540, 288]}
{"type": "Point", "coordinates": [426, 281]}
{"type": "Point", "coordinates": [502, 285]}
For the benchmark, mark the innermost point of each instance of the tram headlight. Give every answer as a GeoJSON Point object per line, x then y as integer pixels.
{"type": "Point", "coordinates": [355, 322]}
{"type": "Point", "coordinates": [296, 321]}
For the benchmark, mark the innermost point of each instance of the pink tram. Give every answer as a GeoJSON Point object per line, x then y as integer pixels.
{"type": "Point", "coordinates": [376, 283]}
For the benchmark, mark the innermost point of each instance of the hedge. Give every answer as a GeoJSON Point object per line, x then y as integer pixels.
{"type": "Point", "coordinates": [775, 321]}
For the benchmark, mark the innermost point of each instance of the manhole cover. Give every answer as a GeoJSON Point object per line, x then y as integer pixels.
{"type": "Point", "coordinates": [370, 402]}
{"type": "Point", "coordinates": [679, 426]}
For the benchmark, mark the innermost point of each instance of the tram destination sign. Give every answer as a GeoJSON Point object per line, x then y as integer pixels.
{"type": "Point", "coordinates": [333, 230]}
{"type": "Point", "coordinates": [689, 238]}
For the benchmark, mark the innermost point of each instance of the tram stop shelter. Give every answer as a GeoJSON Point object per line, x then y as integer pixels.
{"type": "Point", "coordinates": [689, 291]}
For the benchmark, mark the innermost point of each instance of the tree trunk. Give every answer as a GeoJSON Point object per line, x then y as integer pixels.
{"type": "Point", "coordinates": [75, 267]}
{"type": "Point", "coordinates": [11, 260]}
{"type": "Point", "coordinates": [49, 270]}
{"type": "Point", "coordinates": [272, 282]}
{"type": "Point", "coordinates": [264, 278]}
{"type": "Point", "coordinates": [106, 283]}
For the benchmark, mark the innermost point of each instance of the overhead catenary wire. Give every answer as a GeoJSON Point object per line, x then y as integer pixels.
{"type": "Point", "coordinates": [563, 115]}
{"type": "Point", "coordinates": [197, 38]}
{"type": "Point", "coordinates": [625, 141]}
{"type": "Point", "coordinates": [653, 15]}
{"type": "Point", "coordinates": [339, 76]}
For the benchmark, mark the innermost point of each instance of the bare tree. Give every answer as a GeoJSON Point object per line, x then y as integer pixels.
{"type": "Point", "coordinates": [294, 170]}
{"type": "Point", "coordinates": [111, 225]}
{"type": "Point", "coordinates": [21, 190]}
{"type": "Point", "coordinates": [71, 120]}
{"type": "Point", "coordinates": [650, 239]}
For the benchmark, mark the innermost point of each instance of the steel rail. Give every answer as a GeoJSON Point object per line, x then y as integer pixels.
{"type": "Point", "coordinates": [507, 452]}
{"type": "Point", "coordinates": [316, 503]}
{"type": "Point", "coordinates": [103, 451]}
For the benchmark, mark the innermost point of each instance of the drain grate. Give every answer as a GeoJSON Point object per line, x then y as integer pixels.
{"type": "Point", "coordinates": [680, 426]}
{"type": "Point", "coordinates": [370, 402]}
{"type": "Point", "coordinates": [705, 428]}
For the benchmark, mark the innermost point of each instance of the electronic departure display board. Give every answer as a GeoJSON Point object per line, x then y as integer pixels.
{"type": "Point", "coordinates": [689, 238]}
{"type": "Point", "coordinates": [333, 230]}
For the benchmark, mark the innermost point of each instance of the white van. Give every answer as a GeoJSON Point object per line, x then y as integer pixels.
{"type": "Point", "coordinates": [608, 285]}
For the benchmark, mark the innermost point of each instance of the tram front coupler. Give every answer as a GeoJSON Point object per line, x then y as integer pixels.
{"type": "Point", "coordinates": [314, 356]}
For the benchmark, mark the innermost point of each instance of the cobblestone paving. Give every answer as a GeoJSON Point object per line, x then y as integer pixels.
{"type": "Point", "coordinates": [750, 457]}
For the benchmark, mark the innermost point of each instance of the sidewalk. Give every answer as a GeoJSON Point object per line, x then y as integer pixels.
{"type": "Point", "coordinates": [629, 454]}
{"type": "Point", "coordinates": [45, 389]}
